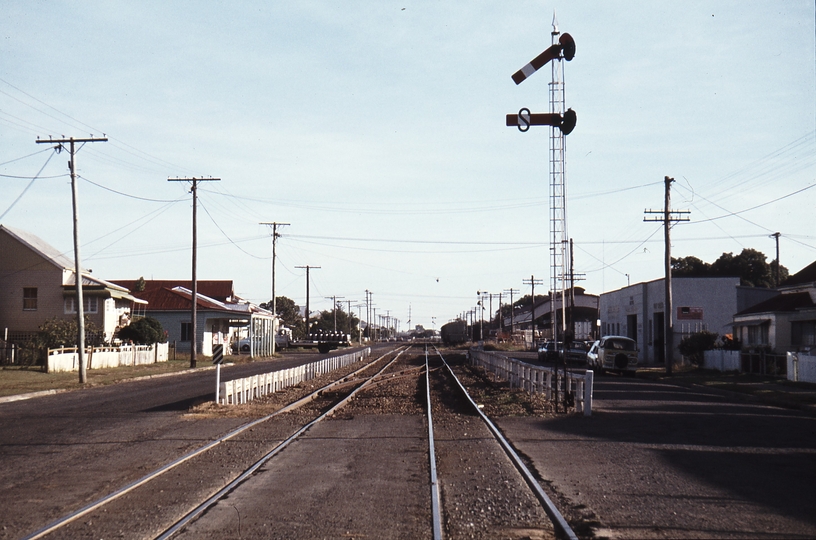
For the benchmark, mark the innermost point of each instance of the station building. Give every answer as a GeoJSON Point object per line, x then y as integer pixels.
{"type": "Point", "coordinates": [699, 303]}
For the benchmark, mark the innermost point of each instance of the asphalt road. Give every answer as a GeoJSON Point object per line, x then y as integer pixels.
{"type": "Point", "coordinates": [660, 461]}
{"type": "Point", "coordinates": [61, 451]}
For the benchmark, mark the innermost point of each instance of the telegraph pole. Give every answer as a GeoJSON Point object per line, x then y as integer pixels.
{"type": "Point", "coordinates": [532, 282]}
{"type": "Point", "coordinates": [776, 236]}
{"type": "Point", "coordinates": [334, 308]}
{"type": "Point", "coordinates": [80, 300]}
{"type": "Point", "coordinates": [275, 236]}
{"type": "Point", "coordinates": [512, 310]}
{"type": "Point", "coordinates": [193, 327]}
{"type": "Point", "coordinates": [349, 316]}
{"type": "Point", "coordinates": [307, 267]}
{"type": "Point", "coordinates": [669, 216]}
{"type": "Point", "coordinates": [368, 313]}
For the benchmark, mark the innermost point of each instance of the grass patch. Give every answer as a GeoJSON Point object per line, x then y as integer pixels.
{"type": "Point", "coordinates": [22, 380]}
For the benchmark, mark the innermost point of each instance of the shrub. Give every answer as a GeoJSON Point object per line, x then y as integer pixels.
{"type": "Point", "coordinates": [144, 331]}
{"type": "Point", "coordinates": [693, 346]}
{"type": "Point", "coordinates": [57, 332]}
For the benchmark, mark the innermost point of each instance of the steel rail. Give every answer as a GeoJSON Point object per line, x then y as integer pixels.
{"type": "Point", "coordinates": [562, 528]}
{"type": "Point", "coordinates": [435, 502]}
{"type": "Point", "coordinates": [60, 522]}
{"type": "Point", "coordinates": [203, 507]}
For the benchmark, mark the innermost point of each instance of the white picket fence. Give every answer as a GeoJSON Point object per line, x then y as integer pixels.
{"type": "Point", "coordinates": [246, 389]}
{"type": "Point", "coordinates": [538, 379]}
{"type": "Point", "coordinates": [722, 360]}
{"type": "Point", "coordinates": [67, 359]}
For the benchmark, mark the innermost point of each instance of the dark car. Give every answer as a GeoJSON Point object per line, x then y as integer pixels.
{"type": "Point", "coordinates": [549, 351]}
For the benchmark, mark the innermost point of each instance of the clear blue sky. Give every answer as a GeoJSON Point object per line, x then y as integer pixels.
{"type": "Point", "coordinates": [377, 130]}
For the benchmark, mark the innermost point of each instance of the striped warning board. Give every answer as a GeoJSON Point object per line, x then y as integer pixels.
{"type": "Point", "coordinates": [218, 354]}
{"type": "Point", "coordinates": [565, 44]}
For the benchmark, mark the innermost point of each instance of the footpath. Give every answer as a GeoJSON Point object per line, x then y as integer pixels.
{"type": "Point", "coordinates": [758, 388]}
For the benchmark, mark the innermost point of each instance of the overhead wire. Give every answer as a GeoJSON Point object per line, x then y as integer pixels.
{"type": "Point", "coordinates": [231, 241]}
{"type": "Point", "coordinates": [31, 183]}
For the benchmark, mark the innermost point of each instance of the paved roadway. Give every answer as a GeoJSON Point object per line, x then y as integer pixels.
{"type": "Point", "coordinates": [59, 452]}
{"type": "Point", "coordinates": [660, 461]}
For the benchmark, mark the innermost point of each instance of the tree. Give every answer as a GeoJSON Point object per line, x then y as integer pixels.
{"type": "Point", "coordinates": [140, 284]}
{"type": "Point", "coordinates": [689, 267]}
{"type": "Point", "coordinates": [289, 314]}
{"type": "Point", "coordinates": [143, 331]}
{"type": "Point", "coordinates": [346, 323]}
{"type": "Point", "coordinates": [750, 266]}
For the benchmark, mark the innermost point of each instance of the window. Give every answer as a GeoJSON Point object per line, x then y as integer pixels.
{"type": "Point", "coordinates": [803, 334]}
{"type": "Point", "coordinates": [186, 331]}
{"type": "Point", "coordinates": [758, 334]}
{"type": "Point", "coordinates": [29, 298]}
{"type": "Point", "coordinates": [91, 304]}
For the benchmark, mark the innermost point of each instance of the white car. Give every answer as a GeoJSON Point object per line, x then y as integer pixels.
{"type": "Point", "coordinates": [613, 353]}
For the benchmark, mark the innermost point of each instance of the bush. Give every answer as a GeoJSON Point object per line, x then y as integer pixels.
{"type": "Point", "coordinates": [57, 332]}
{"type": "Point", "coordinates": [694, 346]}
{"type": "Point", "coordinates": [144, 331]}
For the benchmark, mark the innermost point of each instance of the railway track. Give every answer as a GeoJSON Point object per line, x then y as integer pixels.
{"type": "Point", "coordinates": [406, 453]}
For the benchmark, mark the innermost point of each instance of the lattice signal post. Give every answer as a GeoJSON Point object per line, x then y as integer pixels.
{"type": "Point", "coordinates": [561, 121]}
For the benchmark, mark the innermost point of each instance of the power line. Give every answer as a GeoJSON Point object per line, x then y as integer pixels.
{"type": "Point", "coordinates": [129, 195]}
{"type": "Point", "coordinates": [33, 179]}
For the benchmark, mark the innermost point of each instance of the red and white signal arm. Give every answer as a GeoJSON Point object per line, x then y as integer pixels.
{"type": "Point", "coordinates": [565, 45]}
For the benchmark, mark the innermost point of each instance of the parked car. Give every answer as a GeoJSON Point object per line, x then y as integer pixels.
{"type": "Point", "coordinates": [614, 353]}
{"type": "Point", "coordinates": [551, 351]}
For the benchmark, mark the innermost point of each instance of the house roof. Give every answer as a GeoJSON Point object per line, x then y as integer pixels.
{"type": "Point", "coordinates": [178, 299]}
{"type": "Point", "coordinates": [803, 277]}
{"type": "Point", "coordinates": [52, 255]}
{"type": "Point", "coordinates": [781, 303]}
{"type": "Point", "coordinates": [40, 247]}
{"type": "Point", "coordinates": [220, 290]}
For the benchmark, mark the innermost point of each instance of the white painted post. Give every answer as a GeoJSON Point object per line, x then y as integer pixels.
{"type": "Point", "coordinates": [217, 383]}
{"type": "Point", "coordinates": [588, 384]}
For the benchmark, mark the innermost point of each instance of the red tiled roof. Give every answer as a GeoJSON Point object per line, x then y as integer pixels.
{"type": "Point", "coordinates": [165, 299]}
{"type": "Point", "coordinates": [220, 290]}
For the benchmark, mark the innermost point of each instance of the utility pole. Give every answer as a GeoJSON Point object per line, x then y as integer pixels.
{"type": "Point", "coordinates": [275, 236]}
{"type": "Point", "coordinates": [669, 216]}
{"type": "Point", "coordinates": [374, 314]}
{"type": "Point", "coordinates": [334, 308]}
{"type": "Point", "coordinates": [368, 313]}
{"type": "Point", "coordinates": [512, 310]}
{"type": "Point", "coordinates": [360, 319]}
{"type": "Point", "coordinates": [776, 236]}
{"type": "Point", "coordinates": [80, 300]}
{"type": "Point", "coordinates": [307, 267]}
{"type": "Point", "coordinates": [349, 316]}
{"type": "Point", "coordinates": [193, 326]}
{"type": "Point", "coordinates": [532, 282]}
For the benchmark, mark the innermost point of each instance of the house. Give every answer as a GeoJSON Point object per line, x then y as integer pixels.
{"type": "Point", "coordinates": [699, 303]}
{"type": "Point", "coordinates": [221, 316]}
{"type": "Point", "coordinates": [38, 283]}
{"type": "Point", "coordinates": [786, 322]}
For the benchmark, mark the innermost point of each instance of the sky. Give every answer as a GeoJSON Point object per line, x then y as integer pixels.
{"type": "Point", "coordinates": [376, 130]}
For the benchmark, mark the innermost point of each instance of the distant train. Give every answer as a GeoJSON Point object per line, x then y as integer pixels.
{"type": "Point", "coordinates": [454, 332]}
